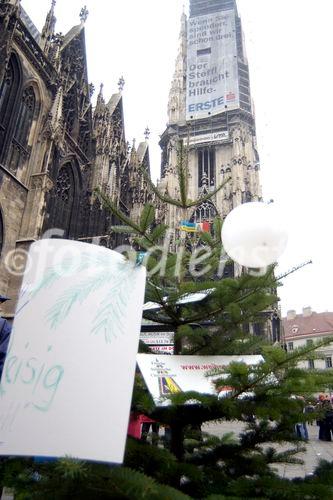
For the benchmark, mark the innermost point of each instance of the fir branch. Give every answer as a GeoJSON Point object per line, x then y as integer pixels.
{"type": "Point", "coordinates": [287, 456]}
{"type": "Point", "coordinates": [182, 170]}
{"type": "Point", "coordinates": [180, 203]}
{"type": "Point", "coordinates": [207, 196]}
{"type": "Point", "coordinates": [267, 368]}
{"type": "Point", "coordinates": [147, 217]}
{"type": "Point", "coordinates": [123, 229]}
{"type": "Point", "coordinates": [109, 205]}
{"type": "Point", "coordinates": [256, 289]}
{"type": "Point", "coordinates": [133, 227]}
{"type": "Point", "coordinates": [163, 197]}
{"type": "Point", "coordinates": [167, 309]}
{"type": "Point", "coordinates": [158, 232]}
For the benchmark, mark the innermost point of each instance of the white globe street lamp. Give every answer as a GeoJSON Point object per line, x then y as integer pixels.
{"type": "Point", "coordinates": [254, 235]}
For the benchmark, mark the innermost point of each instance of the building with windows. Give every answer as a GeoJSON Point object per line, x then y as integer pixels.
{"type": "Point", "coordinates": [300, 330]}
{"type": "Point", "coordinates": [210, 110]}
{"type": "Point", "coordinates": [55, 149]}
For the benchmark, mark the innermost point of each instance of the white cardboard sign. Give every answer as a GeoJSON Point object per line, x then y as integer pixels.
{"type": "Point", "coordinates": [165, 375]}
{"type": "Point", "coordinates": [68, 377]}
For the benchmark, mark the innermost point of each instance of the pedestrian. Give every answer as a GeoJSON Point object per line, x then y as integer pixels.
{"type": "Point", "coordinates": [148, 422]}
{"type": "Point", "coordinates": [308, 409]}
{"type": "Point", "coordinates": [167, 436]}
{"type": "Point", "coordinates": [5, 331]}
{"type": "Point", "coordinates": [329, 417]}
{"type": "Point", "coordinates": [324, 421]}
{"type": "Point", "coordinates": [301, 429]}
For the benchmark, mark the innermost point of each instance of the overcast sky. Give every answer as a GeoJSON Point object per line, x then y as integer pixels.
{"type": "Point", "coordinates": [289, 44]}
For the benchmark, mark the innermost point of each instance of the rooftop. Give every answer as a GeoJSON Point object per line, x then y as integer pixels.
{"type": "Point", "coordinates": [307, 323]}
{"type": "Point", "coordinates": [29, 25]}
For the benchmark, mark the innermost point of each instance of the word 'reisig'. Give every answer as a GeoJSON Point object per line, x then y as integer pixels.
{"type": "Point", "coordinates": [38, 380]}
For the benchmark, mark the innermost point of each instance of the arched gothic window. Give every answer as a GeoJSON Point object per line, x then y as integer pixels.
{"type": "Point", "coordinates": [206, 167]}
{"type": "Point", "coordinates": [8, 95]}
{"type": "Point", "coordinates": [25, 117]}
{"type": "Point", "coordinates": [60, 208]}
{"type": "Point", "coordinates": [70, 110]}
{"type": "Point", "coordinates": [19, 151]}
{"type": "Point", "coordinates": [206, 212]}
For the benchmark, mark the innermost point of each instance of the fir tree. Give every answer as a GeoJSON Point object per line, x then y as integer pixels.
{"type": "Point", "coordinates": [199, 465]}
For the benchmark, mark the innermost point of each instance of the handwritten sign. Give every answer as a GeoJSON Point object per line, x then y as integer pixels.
{"type": "Point", "coordinates": [166, 375]}
{"type": "Point", "coordinates": [68, 377]}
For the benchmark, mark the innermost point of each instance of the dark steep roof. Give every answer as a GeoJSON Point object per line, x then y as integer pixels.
{"type": "Point", "coordinates": [29, 25]}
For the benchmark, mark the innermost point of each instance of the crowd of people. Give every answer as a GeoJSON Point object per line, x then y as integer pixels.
{"type": "Point", "coordinates": [322, 409]}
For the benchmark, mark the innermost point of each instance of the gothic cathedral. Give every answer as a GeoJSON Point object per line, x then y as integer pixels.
{"type": "Point", "coordinates": [54, 148]}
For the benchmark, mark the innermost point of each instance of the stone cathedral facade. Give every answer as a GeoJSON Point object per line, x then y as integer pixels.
{"type": "Point", "coordinates": [55, 149]}
{"type": "Point", "coordinates": [210, 110]}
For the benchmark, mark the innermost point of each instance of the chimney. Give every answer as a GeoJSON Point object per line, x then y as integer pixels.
{"type": "Point", "coordinates": [291, 314]}
{"type": "Point", "coordinates": [307, 312]}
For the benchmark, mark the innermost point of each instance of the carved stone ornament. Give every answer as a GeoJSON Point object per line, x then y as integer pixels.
{"type": "Point", "coordinates": [41, 182]}
{"type": "Point", "coordinates": [34, 53]}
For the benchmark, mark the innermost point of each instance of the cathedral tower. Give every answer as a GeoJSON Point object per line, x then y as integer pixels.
{"type": "Point", "coordinates": [210, 109]}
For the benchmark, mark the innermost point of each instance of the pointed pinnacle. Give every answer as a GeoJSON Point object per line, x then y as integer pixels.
{"type": "Point", "coordinates": [84, 14]}
{"type": "Point", "coordinates": [146, 133]}
{"type": "Point", "coordinates": [121, 83]}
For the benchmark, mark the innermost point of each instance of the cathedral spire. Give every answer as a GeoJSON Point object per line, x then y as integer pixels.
{"type": "Point", "coordinates": [133, 153]}
{"type": "Point", "coordinates": [100, 104]}
{"type": "Point", "coordinates": [48, 29]}
{"type": "Point", "coordinates": [176, 104]}
{"type": "Point", "coordinates": [100, 93]}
